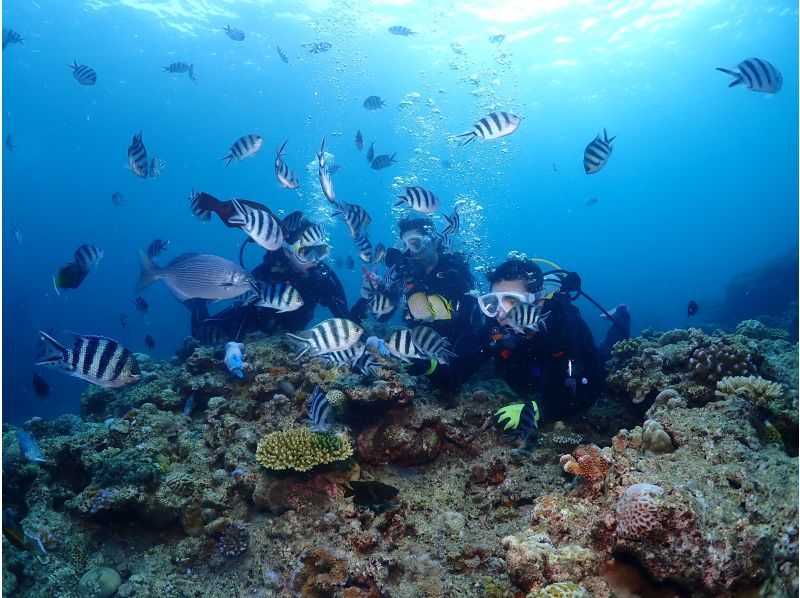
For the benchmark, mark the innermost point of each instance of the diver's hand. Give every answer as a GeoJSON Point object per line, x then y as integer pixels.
{"type": "Point", "coordinates": [422, 367]}
{"type": "Point", "coordinates": [571, 283]}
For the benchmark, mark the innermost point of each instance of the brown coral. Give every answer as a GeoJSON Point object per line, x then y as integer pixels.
{"type": "Point", "coordinates": [321, 572]}
{"type": "Point", "coordinates": [588, 462]}
{"type": "Point", "coordinates": [714, 361]}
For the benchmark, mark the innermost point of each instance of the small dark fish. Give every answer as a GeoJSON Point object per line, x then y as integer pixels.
{"type": "Point", "coordinates": [282, 54]}
{"type": "Point", "coordinates": [83, 74]}
{"type": "Point", "coordinates": [333, 169]}
{"type": "Point", "coordinates": [70, 276]}
{"type": "Point", "coordinates": [40, 385]}
{"type": "Point", "coordinates": [188, 406]}
{"type": "Point", "coordinates": [349, 262]}
{"type": "Point", "coordinates": [692, 308]}
{"type": "Point", "coordinates": [371, 152]}
{"type": "Point", "coordinates": [374, 103]}
{"type": "Point", "coordinates": [316, 48]}
{"type": "Point", "coordinates": [11, 37]}
{"type": "Point", "coordinates": [137, 157]}
{"type": "Point", "coordinates": [556, 168]}
{"type": "Point", "coordinates": [496, 39]}
{"type": "Point", "coordinates": [192, 74]}
{"type": "Point", "coordinates": [141, 305]}
{"type": "Point", "coordinates": [10, 142]}
{"type": "Point", "coordinates": [157, 247]}
{"type": "Point", "coordinates": [123, 320]}
{"type": "Point", "coordinates": [177, 67]}
{"type": "Point", "coordinates": [446, 164]}
{"type": "Point", "coordinates": [359, 140]}
{"type": "Point", "coordinates": [338, 262]}
{"type": "Point", "coordinates": [117, 198]}
{"type": "Point", "coordinates": [591, 201]}
{"type": "Point", "coordinates": [88, 256]}
{"type": "Point", "coordinates": [17, 537]}
{"type": "Point", "coordinates": [383, 161]}
{"type": "Point", "coordinates": [597, 153]}
{"type": "Point", "coordinates": [17, 232]}
{"type": "Point", "coordinates": [371, 494]}
{"type": "Point", "coordinates": [400, 30]}
{"type": "Point", "coordinates": [235, 34]}
{"type": "Point", "coordinates": [149, 342]}
{"type": "Point", "coordinates": [287, 388]}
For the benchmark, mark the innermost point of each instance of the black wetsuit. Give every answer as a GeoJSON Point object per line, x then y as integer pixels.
{"type": "Point", "coordinates": [319, 285]}
{"type": "Point", "coordinates": [538, 365]}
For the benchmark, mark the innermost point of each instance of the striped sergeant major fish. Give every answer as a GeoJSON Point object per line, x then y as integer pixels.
{"type": "Point", "coordinates": [420, 200]}
{"type": "Point", "coordinates": [320, 413]}
{"type": "Point", "coordinates": [236, 35]}
{"type": "Point", "coordinates": [756, 74]}
{"type": "Point", "coordinates": [381, 304]}
{"type": "Point", "coordinates": [374, 103]}
{"type": "Point", "coordinates": [355, 358]}
{"type": "Point", "coordinates": [400, 30]}
{"type": "Point", "coordinates": [262, 225]}
{"type": "Point", "coordinates": [117, 198]}
{"type": "Point", "coordinates": [383, 161]}
{"type": "Point", "coordinates": [140, 304]}
{"type": "Point", "coordinates": [157, 166]}
{"type": "Point", "coordinates": [88, 256]}
{"type": "Point", "coordinates": [157, 247]}
{"type": "Point", "coordinates": [444, 239]}
{"type": "Point", "coordinates": [314, 234]}
{"type": "Point", "coordinates": [493, 126]}
{"type": "Point", "coordinates": [527, 317]}
{"type": "Point", "coordinates": [597, 153]}
{"type": "Point", "coordinates": [379, 253]}
{"type": "Point", "coordinates": [285, 176]}
{"type": "Point", "coordinates": [354, 216]}
{"type": "Point", "coordinates": [324, 177]}
{"type": "Point", "coordinates": [401, 344]}
{"type": "Point", "coordinates": [333, 334]}
{"type": "Point", "coordinates": [96, 359]}
{"type": "Point", "coordinates": [197, 212]}
{"type": "Point", "coordinates": [282, 54]}
{"type": "Point", "coordinates": [280, 296]}
{"type": "Point", "coordinates": [243, 148]}
{"type": "Point", "coordinates": [83, 74]}
{"type": "Point", "coordinates": [371, 152]}
{"type": "Point", "coordinates": [364, 248]}
{"type": "Point", "coordinates": [137, 156]}
{"type": "Point", "coordinates": [431, 344]}
{"type": "Point", "coordinates": [176, 67]}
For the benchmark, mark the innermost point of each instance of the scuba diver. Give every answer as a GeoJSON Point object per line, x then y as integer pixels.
{"type": "Point", "coordinates": [298, 263]}
{"type": "Point", "coordinates": [541, 345]}
{"type": "Point", "coordinates": [436, 284]}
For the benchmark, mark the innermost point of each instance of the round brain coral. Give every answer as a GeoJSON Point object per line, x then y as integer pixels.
{"type": "Point", "coordinates": [637, 511]}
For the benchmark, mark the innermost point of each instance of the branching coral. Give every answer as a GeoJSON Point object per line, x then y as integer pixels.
{"type": "Point", "coordinates": [637, 511]}
{"type": "Point", "coordinates": [301, 449]}
{"type": "Point", "coordinates": [754, 388]}
{"type": "Point", "coordinates": [588, 462]}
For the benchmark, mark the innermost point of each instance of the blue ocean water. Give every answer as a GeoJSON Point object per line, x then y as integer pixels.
{"type": "Point", "coordinates": [702, 183]}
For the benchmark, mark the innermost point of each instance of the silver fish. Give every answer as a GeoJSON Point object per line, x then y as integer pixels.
{"type": "Point", "coordinates": [334, 334]}
{"type": "Point", "coordinates": [196, 276]}
{"type": "Point", "coordinates": [324, 177]}
{"type": "Point", "coordinates": [597, 153]}
{"type": "Point", "coordinates": [285, 176]}
{"type": "Point", "coordinates": [262, 226]}
{"type": "Point", "coordinates": [493, 126]}
{"type": "Point", "coordinates": [243, 148]}
{"type": "Point", "coordinates": [29, 447]}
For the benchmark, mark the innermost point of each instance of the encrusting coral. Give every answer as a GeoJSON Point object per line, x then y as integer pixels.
{"type": "Point", "coordinates": [637, 511]}
{"type": "Point", "coordinates": [301, 449]}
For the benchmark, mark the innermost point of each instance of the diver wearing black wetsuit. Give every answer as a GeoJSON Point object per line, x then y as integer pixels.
{"type": "Point", "coordinates": [557, 364]}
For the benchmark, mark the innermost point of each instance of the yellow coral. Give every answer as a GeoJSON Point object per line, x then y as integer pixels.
{"type": "Point", "coordinates": [301, 449]}
{"type": "Point", "coordinates": [754, 388]}
{"type": "Point", "coordinates": [336, 398]}
{"type": "Point", "coordinates": [562, 589]}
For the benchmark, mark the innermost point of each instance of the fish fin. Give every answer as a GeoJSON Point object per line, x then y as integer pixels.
{"type": "Point", "coordinates": [737, 78]}
{"type": "Point", "coordinates": [229, 159]}
{"type": "Point", "coordinates": [280, 151]}
{"type": "Point", "coordinates": [469, 137]}
{"type": "Point", "coordinates": [348, 492]}
{"type": "Point", "coordinates": [238, 218]}
{"type": "Point", "coordinates": [61, 351]}
{"type": "Point", "coordinates": [148, 274]}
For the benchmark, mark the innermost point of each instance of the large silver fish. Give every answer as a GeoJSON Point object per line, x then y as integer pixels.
{"type": "Point", "coordinates": [196, 276]}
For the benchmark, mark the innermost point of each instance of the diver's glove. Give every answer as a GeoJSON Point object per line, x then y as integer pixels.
{"type": "Point", "coordinates": [421, 367]}
{"type": "Point", "coordinates": [571, 283]}
{"type": "Point", "coordinates": [519, 419]}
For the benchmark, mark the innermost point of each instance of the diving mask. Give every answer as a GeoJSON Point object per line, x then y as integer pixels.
{"type": "Point", "coordinates": [492, 303]}
{"type": "Point", "coordinates": [311, 253]}
{"type": "Point", "coordinates": [413, 243]}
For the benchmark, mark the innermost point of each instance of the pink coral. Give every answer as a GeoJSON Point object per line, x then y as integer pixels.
{"type": "Point", "coordinates": [637, 511]}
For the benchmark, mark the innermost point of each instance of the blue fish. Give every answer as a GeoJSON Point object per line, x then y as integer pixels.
{"type": "Point", "coordinates": [188, 406]}
{"type": "Point", "coordinates": [29, 447]}
{"type": "Point", "coordinates": [234, 360]}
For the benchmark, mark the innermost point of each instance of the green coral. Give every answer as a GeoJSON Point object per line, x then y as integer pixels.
{"type": "Point", "coordinates": [301, 449]}
{"type": "Point", "coordinates": [627, 347]}
{"type": "Point", "coordinates": [562, 589]}
{"type": "Point", "coordinates": [757, 330]}
{"type": "Point", "coordinates": [131, 466]}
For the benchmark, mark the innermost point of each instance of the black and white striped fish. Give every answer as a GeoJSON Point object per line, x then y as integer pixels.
{"type": "Point", "coordinates": [157, 247]}
{"type": "Point", "coordinates": [197, 212]}
{"type": "Point", "coordinates": [371, 152]}
{"type": "Point", "coordinates": [431, 344]}
{"type": "Point", "coordinates": [236, 35]}
{"type": "Point", "coordinates": [311, 235]}
{"type": "Point", "coordinates": [381, 303]}
{"type": "Point", "coordinates": [281, 297]}
{"type": "Point", "coordinates": [526, 317]}
{"type": "Point", "coordinates": [420, 200]}
{"type": "Point", "coordinates": [374, 103]}
{"type": "Point", "coordinates": [285, 176]}
{"type": "Point", "coordinates": [597, 153]}
{"type": "Point", "coordinates": [401, 344]}
{"type": "Point", "coordinates": [83, 74]}
{"type": "Point", "coordinates": [400, 30]}
{"type": "Point", "coordinates": [88, 256]}
{"type": "Point", "coordinates": [140, 304]}
{"type": "Point", "coordinates": [756, 74]}
{"type": "Point", "coordinates": [262, 226]}
{"type": "Point", "coordinates": [176, 67]}
{"type": "Point", "coordinates": [11, 37]}
{"type": "Point", "coordinates": [292, 222]}
{"type": "Point", "coordinates": [379, 253]}
{"type": "Point", "coordinates": [157, 166]}
{"type": "Point", "coordinates": [324, 177]}
{"type": "Point", "coordinates": [364, 248]}
{"type": "Point", "coordinates": [356, 358]}
{"type": "Point", "coordinates": [453, 223]}
{"type": "Point", "coordinates": [192, 74]}
{"type": "Point", "coordinates": [282, 54]}
{"type": "Point", "coordinates": [320, 412]}
{"type": "Point", "coordinates": [333, 334]}
{"type": "Point", "coordinates": [96, 359]}
{"type": "Point", "coordinates": [383, 161]}
{"type": "Point", "coordinates": [117, 198]}
{"type": "Point", "coordinates": [493, 126]}
{"type": "Point", "coordinates": [243, 148]}
{"type": "Point", "coordinates": [354, 216]}
{"type": "Point", "coordinates": [137, 156]}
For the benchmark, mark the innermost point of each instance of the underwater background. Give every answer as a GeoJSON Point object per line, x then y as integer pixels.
{"type": "Point", "coordinates": [701, 187]}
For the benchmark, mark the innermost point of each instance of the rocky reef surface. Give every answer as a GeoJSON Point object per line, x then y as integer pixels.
{"type": "Point", "coordinates": [681, 481]}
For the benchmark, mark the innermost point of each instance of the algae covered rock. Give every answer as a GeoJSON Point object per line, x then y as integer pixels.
{"type": "Point", "coordinates": [101, 581]}
{"type": "Point", "coordinates": [301, 449]}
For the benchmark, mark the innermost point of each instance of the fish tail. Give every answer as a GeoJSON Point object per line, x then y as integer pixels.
{"type": "Point", "coordinates": [737, 78]}
{"type": "Point", "coordinates": [166, 68]}
{"type": "Point", "coordinates": [280, 151]}
{"type": "Point", "coordinates": [468, 138]}
{"type": "Point", "coordinates": [229, 159]}
{"type": "Point", "coordinates": [57, 356]}
{"type": "Point", "coordinates": [148, 274]}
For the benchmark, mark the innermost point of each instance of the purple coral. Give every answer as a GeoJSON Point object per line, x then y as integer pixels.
{"type": "Point", "coordinates": [234, 540]}
{"type": "Point", "coordinates": [637, 511]}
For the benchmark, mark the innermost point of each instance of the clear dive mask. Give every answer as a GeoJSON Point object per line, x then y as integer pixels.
{"type": "Point", "coordinates": [492, 303]}
{"type": "Point", "coordinates": [413, 243]}
{"type": "Point", "coordinates": [310, 253]}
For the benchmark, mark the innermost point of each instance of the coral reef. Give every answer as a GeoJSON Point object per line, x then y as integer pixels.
{"type": "Point", "coordinates": [301, 449]}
